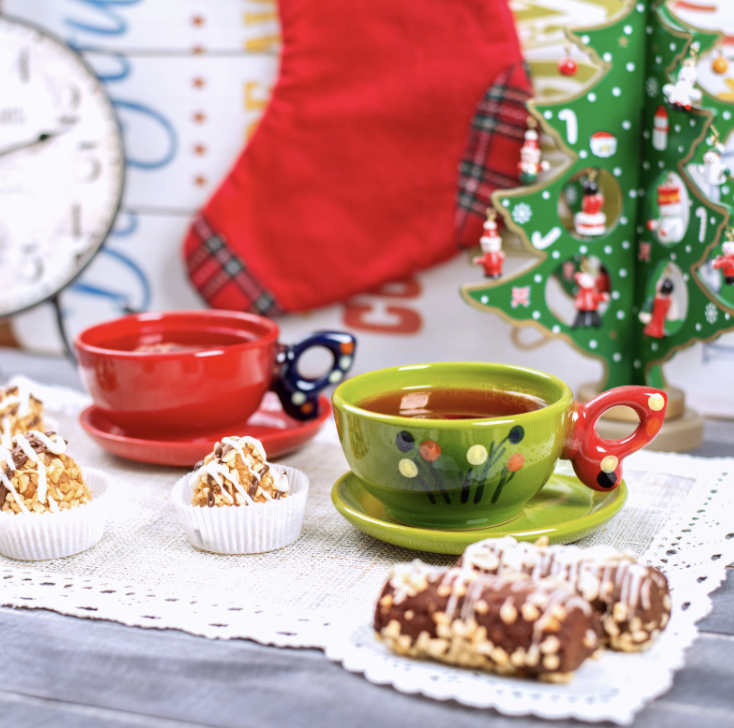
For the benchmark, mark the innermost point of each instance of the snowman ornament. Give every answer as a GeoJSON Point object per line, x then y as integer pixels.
{"type": "Point", "coordinates": [670, 226]}
{"type": "Point", "coordinates": [530, 163]}
{"type": "Point", "coordinates": [682, 95]}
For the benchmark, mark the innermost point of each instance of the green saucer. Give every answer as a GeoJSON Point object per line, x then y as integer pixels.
{"type": "Point", "coordinates": [564, 511]}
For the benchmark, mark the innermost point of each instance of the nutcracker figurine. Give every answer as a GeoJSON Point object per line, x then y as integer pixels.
{"type": "Point", "coordinates": [587, 301]}
{"type": "Point", "coordinates": [591, 221]}
{"type": "Point", "coordinates": [493, 258]}
{"type": "Point", "coordinates": [725, 262]}
{"type": "Point", "coordinates": [530, 163]}
{"type": "Point", "coordinates": [669, 227]}
{"type": "Point", "coordinates": [681, 95]}
{"type": "Point", "coordinates": [663, 309]}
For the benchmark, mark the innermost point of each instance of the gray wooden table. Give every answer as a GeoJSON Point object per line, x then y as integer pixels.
{"type": "Point", "coordinates": [60, 671]}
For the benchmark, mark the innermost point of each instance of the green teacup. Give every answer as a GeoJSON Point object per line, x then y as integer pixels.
{"type": "Point", "coordinates": [475, 473]}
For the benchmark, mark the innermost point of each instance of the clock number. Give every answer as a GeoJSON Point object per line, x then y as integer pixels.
{"type": "Point", "coordinates": [572, 125]}
{"type": "Point", "coordinates": [701, 215]}
{"type": "Point", "coordinates": [24, 69]}
{"type": "Point", "coordinates": [88, 166]}
{"type": "Point", "coordinates": [76, 220]}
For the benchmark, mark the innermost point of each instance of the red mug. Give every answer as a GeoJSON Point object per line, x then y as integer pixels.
{"type": "Point", "coordinates": [189, 371]}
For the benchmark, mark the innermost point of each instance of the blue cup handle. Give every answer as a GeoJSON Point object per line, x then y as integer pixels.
{"type": "Point", "coordinates": [300, 395]}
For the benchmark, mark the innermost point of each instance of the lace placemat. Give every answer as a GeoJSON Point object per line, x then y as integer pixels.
{"type": "Point", "coordinates": [320, 591]}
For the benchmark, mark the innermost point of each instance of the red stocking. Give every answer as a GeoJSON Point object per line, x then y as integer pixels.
{"type": "Point", "coordinates": [350, 179]}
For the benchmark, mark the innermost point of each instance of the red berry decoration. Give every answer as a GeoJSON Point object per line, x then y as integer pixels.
{"type": "Point", "coordinates": [430, 450]}
{"type": "Point", "coordinates": [567, 66]}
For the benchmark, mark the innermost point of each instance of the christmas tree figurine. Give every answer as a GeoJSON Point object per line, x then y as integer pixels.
{"type": "Point", "coordinates": [681, 95]}
{"type": "Point", "coordinates": [670, 227]}
{"type": "Point", "coordinates": [530, 163]}
{"type": "Point", "coordinates": [725, 262]}
{"type": "Point", "coordinates": [492, 258]}
{"type": "Point", "coordinates": [587, 301]}
{"type": "Point", "coordinates": [591, 221]}
{"type": "Point", "coordinates": [663, 309]}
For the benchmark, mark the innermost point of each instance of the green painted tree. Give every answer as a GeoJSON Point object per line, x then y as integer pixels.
{"type": "Point", "coordinates": [637, 53]}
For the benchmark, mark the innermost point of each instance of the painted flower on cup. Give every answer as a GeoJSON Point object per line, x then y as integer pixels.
{"type": "Point", "coordinates": [420, 463]}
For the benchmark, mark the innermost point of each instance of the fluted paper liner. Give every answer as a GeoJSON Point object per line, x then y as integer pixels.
{"type": "Point", "coordinates": [246, 529]}
{"type": "Point", "coordinates": [42, 536]}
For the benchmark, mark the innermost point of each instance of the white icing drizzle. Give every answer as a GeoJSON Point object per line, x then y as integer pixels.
{"type": "Point", "coordinates": [238, 442]}
{"type": "Point", "coordinates": [25, 446]}
{"type": "Point", "coordinates": [7, 458]}
{"type": "Point", "coordinates": [598, 570]}
{"type": "Point", "coordinates": [57, 447]}
{"type": "Point", "coordinates": [280, 479]}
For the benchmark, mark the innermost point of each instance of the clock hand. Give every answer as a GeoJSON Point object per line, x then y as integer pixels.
{"type": "Point", "coordinates": [42, 137]}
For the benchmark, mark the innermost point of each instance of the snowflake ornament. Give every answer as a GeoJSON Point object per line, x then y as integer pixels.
{"type": "Point", "coordinates": [572, 194]}
{"type": "Point", "coordinates": [711, 313]}
{"type": "Point", "coordinates": [652, 87]}
{"type": "Point", "coordinates": [522, 213]}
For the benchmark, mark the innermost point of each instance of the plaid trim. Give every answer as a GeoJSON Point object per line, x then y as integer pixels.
{"type": "Point", "coordinates": [213, 265]}
{"type": "Point", "coordinates": [501, 115]}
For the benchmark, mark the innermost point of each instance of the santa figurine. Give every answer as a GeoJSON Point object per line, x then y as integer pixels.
{"type": "Point", "coordinates": [663, 309]}
{"type": "Point", "coordinates": [530, 163]}
{"type": "Point", "coordinates": [492, 258]}
{"type": "Point", "coordinates": [669, 227]}
{"type": "Point", "coordinates": [587, 301]}
{"type": "Point", "coordinates": [681, 95]}
{"type": "Point", "coordinates": [725, 262]}
{"type": "Point", "coordinates": [713, 170]}
{"type": "Point", "coordinates": [591, 221]}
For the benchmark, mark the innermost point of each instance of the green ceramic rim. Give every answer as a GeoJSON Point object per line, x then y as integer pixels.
{"type": "Point", "coordinates": [555, 392]}
{"type": "Point", "coordinates": [454, 542]}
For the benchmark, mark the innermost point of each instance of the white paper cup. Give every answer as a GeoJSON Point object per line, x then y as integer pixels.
{"type": "Point", "coordinates": [42, 536]}
{"type": "Point", "coordinates": [247, 529]}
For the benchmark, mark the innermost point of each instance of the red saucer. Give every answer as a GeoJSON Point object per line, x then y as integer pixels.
{"type": "Point", "coordinates": [279, 434]}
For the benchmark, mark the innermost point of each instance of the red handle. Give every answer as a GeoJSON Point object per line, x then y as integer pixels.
{"type": "Point", "coordinates": [598, 462]}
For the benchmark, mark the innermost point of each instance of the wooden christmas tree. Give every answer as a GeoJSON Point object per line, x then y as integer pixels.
{"type": "Point", "coordinates": [624, 239]}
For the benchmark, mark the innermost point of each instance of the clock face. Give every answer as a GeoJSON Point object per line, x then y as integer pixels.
{"type": "Point", "coordinates": [61, 165]}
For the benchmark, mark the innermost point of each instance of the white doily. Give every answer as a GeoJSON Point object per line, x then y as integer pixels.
{"type": "Point", "coordinates": [693, 551]}
{"type": "Point", "coordinates": [320, 591]}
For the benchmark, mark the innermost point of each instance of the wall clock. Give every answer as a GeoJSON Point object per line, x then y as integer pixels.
{"type": "Point", "coordinates": [61, 165]}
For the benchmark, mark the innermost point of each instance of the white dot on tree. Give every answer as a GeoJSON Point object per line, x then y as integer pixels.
{"type": "Point", "coordinates": [548, 114]}
{"type": "Point", "coordinates": [546, 195]}
{"type": "Point", "coordinates": [536, 315]}
{"type": "Point", "coordinates": [593, 344]}
{"type": "Point", "coordinates": [658, 60]}
{"type": "Point", "coordinates": [616, 91]}
{"type": "Point", "coordinates": [607, 57]}
{"type": "Point", "coordinates": [585, 39]}
{"type": "Point", "coordinates": [636, 363]}
{"type": "Point", "coordinates": [623, 220]}
{"type": "Point", "coordinates": [615, 295]}
{"type": "Point", "coordinates": [630, 66]}
{"type": "Point", "coordinates": [633, 194]}
{"type": "Point", "coordinates": [627, 125]}
{"type": "Point", "coordinates": [617, 171]}
{"type": "Point", "coordinates": [627, 29]}
{"type": "Point", "coordinates": [583, 250]}
{"type": "Point", "coordinates": [698, 327]}
{"type": "Point", "coordinates": [617, 356]}
{"type": "Point", "coordinates": [556, 329]}
{"type": "Point", "coordinates": [677, 127]}
{"type": "Point", "coordinates": [608, 249]}
{"type": "Point", "coordinates": [672, 46]}
{"type": "Point", "coordinates": [591, 96]}
{"type": "Point", "coordinates": [538, 278]}
{"type": "Point", "coordinates": [654, 346]}
{"type": "Point", "coordinates": [646, 134]}
{"type": "Point", "coordinates": [583, 154]}
{"type": "Point", "coordinates": [626, 244]}
{"type": "Point", "coordinates": [726, 115]}
{"type": "Point", "coordinates": [622, 272]}
{"type": "Point", "coordinates": [685, 277]}
{"type": "Point", "coordinates": [620, 315]}
{"type": "Point", "coordinates": [556, 254]}
{"type": "Point", "coordinates": [661, 164]}
{"type": "Point", "coordinates": [484, 299]}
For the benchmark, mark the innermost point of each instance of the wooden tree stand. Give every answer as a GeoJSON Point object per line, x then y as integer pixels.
{"type": "Point", "coordinates": [681, 432]}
